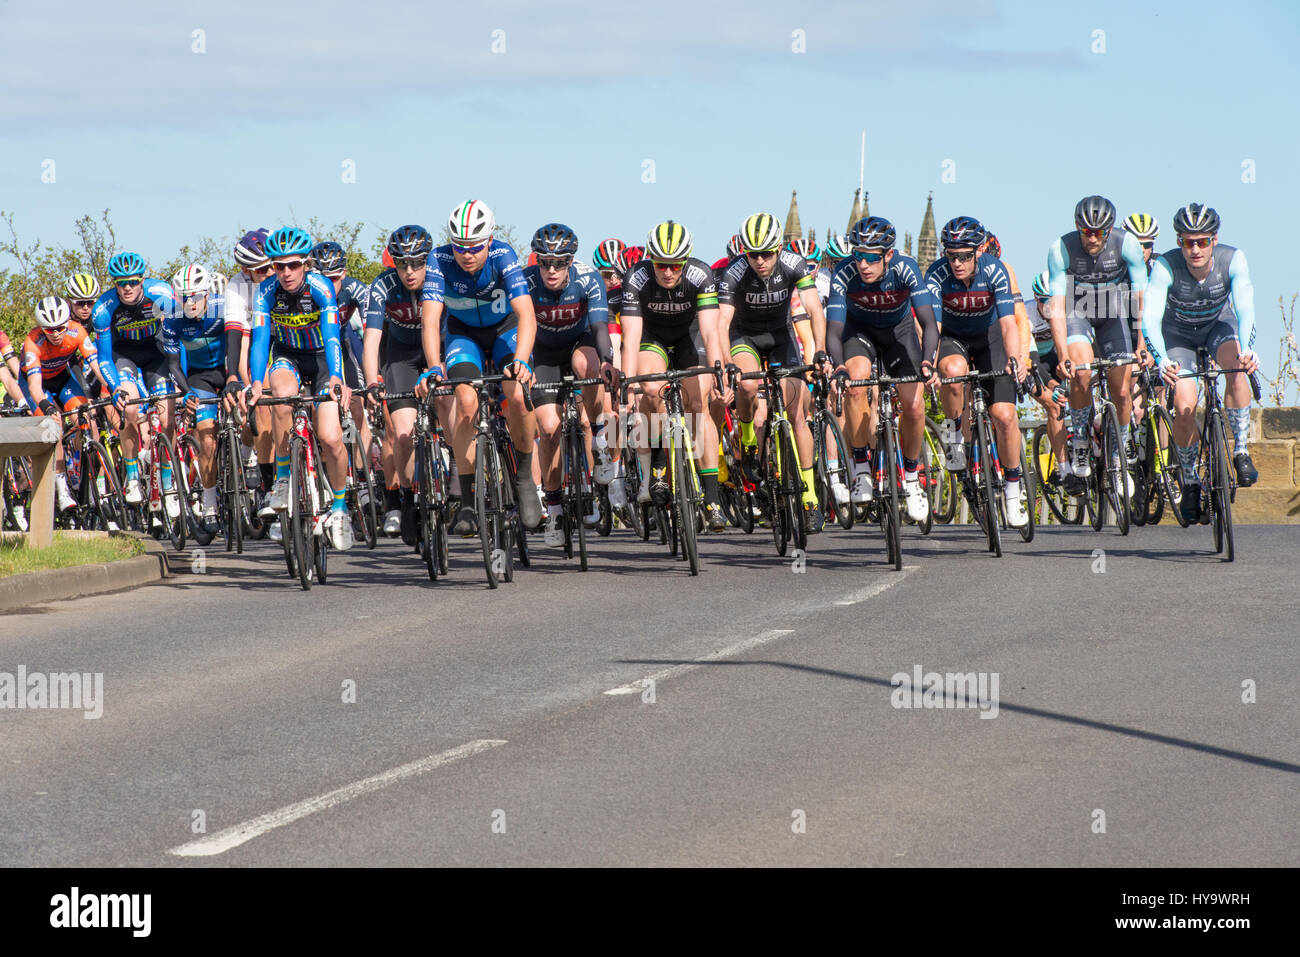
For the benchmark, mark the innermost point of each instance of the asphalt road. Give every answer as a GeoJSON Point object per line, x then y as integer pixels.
{"type": "Point", "coordinates": [483, 730]}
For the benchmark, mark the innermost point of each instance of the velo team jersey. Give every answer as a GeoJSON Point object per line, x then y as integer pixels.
{"type": "Point", "coordinates": [764, 305]}
{"type": "Point", "coordinates": [563, 316]}
{"type": "Point", "coordinates": [1176, 296]}
{"type": "Point", "coordinates": [40, 354]}
{"type": "Point", "coordinates": [967, 310]}
{"type": "Point", "coordinates": [669, 313]}
{"type": "Point", "coordinates": [306, 320]}
{"type": "Point", "coordinates": [483, 299]}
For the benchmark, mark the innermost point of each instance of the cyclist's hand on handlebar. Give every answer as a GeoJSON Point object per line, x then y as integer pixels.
{"type": "Point", "coordinates": [520, 371]}
{"type": "Point", "coordinates": [120, 397]}
{"type": "Point", "coordinates": [232, 397]}
{"type": "Point", "coordinates": [374, 398]}
{"type": "Point", "coordinates": [1248, 360]}
{"type": "Point", "coordinates": [1169, 371]}
{"type": "Point", "coordinates": [929, 373]}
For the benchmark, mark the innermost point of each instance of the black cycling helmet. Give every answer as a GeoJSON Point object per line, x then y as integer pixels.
{"type": "Point", "coordinates": [872, 232]}
{"type": "Point", "coordinates": [555, 239]}
{"type": "Point", "coordinates": [1196, 218]}
{"type": "Point", "coordinates": [962, 231]}
{"type": "Point", "coordinates": [329, 258]}
{"type": "Point", "coordinates": [1094, 212]}
{"type": "Point", "coordinates": [410, 242]}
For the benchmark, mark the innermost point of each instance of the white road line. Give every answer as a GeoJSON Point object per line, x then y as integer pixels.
{"type": "Point", "coordinates": [232, 837]}
{"type": "Point", "coordinates": [870, 592]}
{"type": "Point", "coordinates": [636, 687]}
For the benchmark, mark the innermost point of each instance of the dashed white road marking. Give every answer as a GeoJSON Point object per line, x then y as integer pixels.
{"type": "Point", "coordinates": [873, 590]}
{"type": "Point", "coordinates": [636, 687]}
{"type": "Point", "coordinates": [232, 837]}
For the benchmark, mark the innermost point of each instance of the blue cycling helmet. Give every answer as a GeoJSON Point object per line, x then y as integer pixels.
{"type": "Point", "coordinates": [288, 241]}
{"type": "Point", "coordinates": [873, 232]}
{"type": "Point", "coordinates": [329, 258]}
{"type": "Point", "coordinates": [126, 264]}
{"type": "Point", "coordinates": [410, 242]}
{"type": "Point", "coordinates": [555, 239]}
{"type": "Point", "coordinates": [962, 231]}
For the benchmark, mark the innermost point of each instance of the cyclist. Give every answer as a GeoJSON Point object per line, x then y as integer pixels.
{"type": "Point", "coordinates": [198, 328]}
{"type": "Point", "coordinates": [1098, 279]}
{"type": "Point", "coordinates": [295, 341]}
{"type": "Point", "coordinates": [1145, 229]}
{"type": "Point", "coordinates": [870, 318]}
{"type": "Point", "coordinates": [756, 296]}
{"type": "Point", "coordinates": [670, 320]}
{"type": "Point", "coordinates": [48, 353]}
{"type": "Point", "coordinates": [350, 293]}
{"type": "Point", "coordinates": [609, 262]}
{"type": "Point", "coordinates": [994, 248]}
{"type": "Point", "coordinates": [10, 370]}
{"type": "Point", "coordinates": [970, 294]}
{"type": "Point", "coordinates": [809, 250]}
{"type": "Point", "coordinates": [1201, 296]}
{"type": "Point", "coordinates": [734, 252]}
{"type": "Point", "coordinates": [254, 269]}
{"type": "Point", "coordinates": [128, 323]}
{"type": "Point", "coordinates": [394, 354]}
{"type": "Point", "coordinates": [489, 315]}
{"type": "Point", "coordinates": [572, 339]}
{"type": "Point", "coordinates": [1047, 360]}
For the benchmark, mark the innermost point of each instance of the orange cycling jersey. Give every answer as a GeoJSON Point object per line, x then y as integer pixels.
{"type": "Point", "coordinates": [51, 359]}
{"type": "Point", "coordinates": [6, 347]}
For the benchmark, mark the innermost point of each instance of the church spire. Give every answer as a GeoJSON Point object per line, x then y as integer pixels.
{"type": "Point", "coordinates": [792, 228]}
{"type": "Point", "coordinates": [927, 242]}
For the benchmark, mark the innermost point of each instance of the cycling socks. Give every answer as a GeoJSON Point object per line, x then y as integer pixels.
{"type": "Point", "coordinates": [340, 501]}
{"type": "Point", "coordinates": [166, 470]}
{"type": "Point", "coordinates": [1187, 461]}
{"type": "Point", "coordinates": [268, 474]}
{"type": "Point", "coordinates": [910, 467]}
{"type": "Point", "coordinates": [1239, 422]}
{"type": "Point", "coordinates": [132, 469]}
{"type": "Point", "coordinates": [1081, 421]}
{"type": "Point", "coordinates": [709, 478]}
{"type": "Point", "coordinates": [809, 487]}
{"type": "Point", "coordinates": [467, 491]}
{"type": "Point", "coordinates": [392, 499]}
{"type": "Point", "coordinates": [406, 497]}
{"type": "Point", "coordinates": [747, 436]}
{"type": "Point", "coordinates": [281, 468]}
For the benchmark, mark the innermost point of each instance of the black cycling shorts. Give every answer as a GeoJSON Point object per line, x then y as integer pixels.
{"type": "Point", "coordinates": [897, 345]}
{"type": "Point", "coordinates": [984, 352]}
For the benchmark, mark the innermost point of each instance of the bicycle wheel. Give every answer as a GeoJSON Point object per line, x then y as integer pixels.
{"type": "Point", "coordinates": [685, 499]}
{"type": "Point", "coordinates": [832, 444]}
{"type": "Point", "coordinates": [992, 526]}
{"type": "Point", "coordinates": [889, 511]}
{"type": "Point", "coordinates": [96, 467]}
{"type": "Point", "coordinates": [1029, 482]}
{"type": "Point", "coordinates": [178, 495]}
{"type": "Point", "coordinates": [791, 484]}
{"type": "Point", "coordinates": [1095, 498]}
{"type": "Point", "coordinates": [1050, 490]}
{"type": "Point", "coordinates": [582, 479]}
{"type": "Point", "coordinates": [364, 488]}
{"type": "Point", "coordinates": [1113, 456]}
{"type": "Point", "coordinates": [1221, 499]}
{"type": "Point", "coordinates": [189, 453]}
{"type": "Point", "coordinates": [301, 514]}
{"type": "Point", "coordinates": [942, 484]}
{"type": "Point", "coordinates": [606, 523]}
{"type": "Point", "coordinates": [771, 488]}
{"type": "Point", "coordinates": [1161, 453]}
{"type": "Point", "coordinates": [487, 502]}
{"type": "Point", "coordinates": [424, 510]}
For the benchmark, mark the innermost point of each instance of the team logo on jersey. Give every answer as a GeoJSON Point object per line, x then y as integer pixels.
{"type": "Point", "coordinates": [561, 315]}
{"type": "Point", "coordinates": [881, 300]}
{"type": "Point", "coordinates": [669, 308]}
{"type": "Point", "coordinates": [295, 320]}
{"type": "Point", "coordinates": [402, 314]}
{"type": "Point", "coordinates": [972, 302]}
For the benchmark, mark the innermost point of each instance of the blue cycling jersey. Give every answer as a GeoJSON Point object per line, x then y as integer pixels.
{"type": "Point", "coordinates": [203, 339]}
{"type": "Point", "coordinates": [563, 317]}
{"type": "Point", "coordinates": [1174, 295]}
{"type": "Point", "coordinates": [481, 300]}
{"type": "Point", "coordinates": [306, 320]}
{"type": "Point", "coordinates": [968, 310]}
{"type": "Point", "coordinates": [391, 305]}
{"type": "Point", "coordinates": [116, 322]}
{"type": "Point", "coordinates": [880, 304]}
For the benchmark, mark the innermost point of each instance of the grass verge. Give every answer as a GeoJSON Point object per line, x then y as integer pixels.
{"type": "Point", "coordinates": [68, 549]}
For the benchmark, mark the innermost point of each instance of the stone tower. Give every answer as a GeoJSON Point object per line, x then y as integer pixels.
{"type": "Point", "coordinates": [792, 228]}
{"type": "Point", "coordinates": [927, 243]}
{"type": "Point", "coordinates": [907, 244]}
{"type": "Point", "coordinates": [857, 212]}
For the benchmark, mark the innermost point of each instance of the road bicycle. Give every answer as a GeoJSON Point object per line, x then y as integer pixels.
{"type": "Point", "coordinates": [778, 458]}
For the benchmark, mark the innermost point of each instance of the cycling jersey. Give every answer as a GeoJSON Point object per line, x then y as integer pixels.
{"type": "Point", "coordinates": [303, 321]}
{"type": "Point", "coordinates": [669, 313]}
{"type": "Point", "coordinates": [131, 331]}
{"type": "Point", "coordinates": [39, 353]}
{"type": "Point", "coordinates": [883, 304]}
{"type": "Point", "coordinates": [6, 348]}
{"type": "Point", "coordinates": [565, 316]}
{"type": "Point", "coordinates": [203, 339]}
{"type": "Point", "coordinates": [1176, 300]}
{"type": "Point", "coordinates": [481, 300]}
{"type": "Point", "coordinates": [764, 305]}
{"type": "Point", "coordinates": [1097, 287]}
{"type": "Point", "coordinates": [967, 311]}
{"type": "Point", "coordinates": [614, 304]}
{"type": "Point", "coordinates": [393, 308]}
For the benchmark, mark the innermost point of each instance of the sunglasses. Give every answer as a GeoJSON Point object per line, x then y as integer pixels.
{"type": "Point", "coordinates": [668, 267]}
{"type": "Point", "coordinates": [468, 250]}
{"type": "Point", "coordinates": [1094, 233]}
{"type": "Point", "coordinates": [763, 254]}
{"type": "Point", "coordinates": [260, 270]}
{"type": "Point", "coordinates": [960, 257]}
{"type": "Point", "coordinates": [81, 302]}
{"type": "Point", "coordinates": [127, 283]}
{"type": "Point", "coordinates": [1150, 245]}
{"type": "Point", "coordinates": [412, 262]}
{"type": "Point", "coordinates": [286, 265]}
{"type": "Point", "coordinates": [1186, 241]}
{"type": "Point", "coordinates": [564, 262]}
{"type": "Point", "coordinates": [866, 257]}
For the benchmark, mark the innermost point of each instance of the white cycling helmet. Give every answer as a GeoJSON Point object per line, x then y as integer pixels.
{"type": "Point", "coordinates": [192, 280]}
{"type": "Point", "coordinates": [219, 282]}
{"type": "Point", "coordinates": [471, 222]}
{"type": "Point", "coordinates": [52, 313]}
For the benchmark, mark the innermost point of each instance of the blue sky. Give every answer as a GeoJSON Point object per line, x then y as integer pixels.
{"type": "Point", "coordinates": [559, 123]}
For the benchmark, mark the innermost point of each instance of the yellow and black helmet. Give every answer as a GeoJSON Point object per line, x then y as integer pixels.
{"type": "Point", "coordinates": [760, 233]}
{"type": "Point", "coordinates": [669, 242]}
{"type": "Point", "coordinates": [1142, 225]}
{"type": "Point", "coordinates": [82, 285]}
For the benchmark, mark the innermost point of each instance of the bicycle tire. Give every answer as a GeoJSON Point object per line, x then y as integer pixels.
{"type": "Point", "coordinates": [1171, 472]}
{"type": "Point", "coordinates": [1114, 455]}
{"type": "Point", "coordinates": [1031, 497]}
{"type": "Point", "coordinates": [828, 427]}
{"type": "Point", "coordinates": [189, 452]}
{"type": "Point", "coordinates": [583, 481]}
{"type": "Point", "coordinates": [1096, 493]}
{"type": "Point", "coordinates": [164, 451]}
{"type": "Point", "coordinates": [424, 510]}
{"type": "Point", "coordinates": [606, 524]}
{"type": "Point", "coordinates": [486, 503]}
{"type": "Point", "coordinates": [325, 500]}
{"type": "Point", "coordinates": [772, 487]}
{"type": "Point", "coordinates": [685, 500]}
{"type": "Point", "coordinates": [301, 514]}
{"type": "Point", "coordinates": [109, 504]}
{"type": "Point", "coordinates": [945, 494]}
{"type": "Point", "coordinates": [1222, 494]}
{"type": "Point", "coordinates": [231, 498]}
{"type": "Point", "coordinates": [889, 513]}
{"type": "Point", "coordinates": [363, 481]}
{"type": "Point", "coordinates": [993, 526]}
{"type": "Point", "coordinates": [1051, 493]}
{"type": "Point", "coordinates": [791, 484]}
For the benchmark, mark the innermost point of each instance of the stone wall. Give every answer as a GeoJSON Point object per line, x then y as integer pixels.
{"type": "Point", "coordinates": [1275, 449]}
